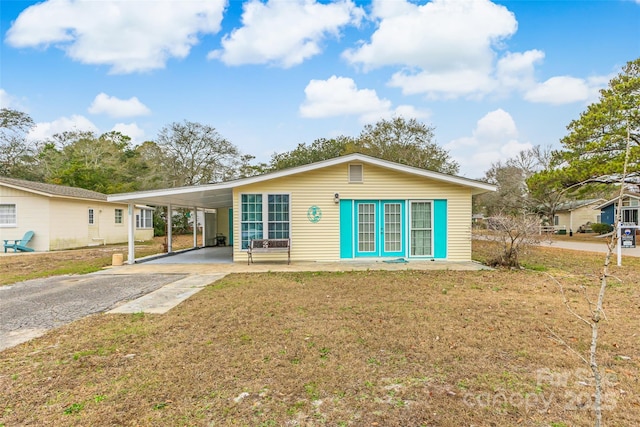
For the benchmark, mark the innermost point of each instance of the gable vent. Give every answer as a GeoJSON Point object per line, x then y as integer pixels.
{"type": "Point", "coordinates": [355, 173]}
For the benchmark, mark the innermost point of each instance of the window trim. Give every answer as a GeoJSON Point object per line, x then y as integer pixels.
{"type": "Point", "coordinates": [350, 178]}
{"type": "Point", "coordinates": [431, 229]}
{"type": "Point", "coordinates": [15, 216]}
{"type": "Point", "coordinates": [141, 219]}
{"type": "Point", "coordinates": [115, 213]}
{"type": "Point", "coordinates": [265, 214]}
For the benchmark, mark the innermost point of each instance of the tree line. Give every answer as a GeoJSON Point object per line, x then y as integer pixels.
{"type": "Point", "coordinates": [537, 181]}
{"type": "Point", "coordinates": [191, 153]}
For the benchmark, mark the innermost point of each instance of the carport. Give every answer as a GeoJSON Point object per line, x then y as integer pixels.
{"type": "Point", "coordinates": [200, 198]}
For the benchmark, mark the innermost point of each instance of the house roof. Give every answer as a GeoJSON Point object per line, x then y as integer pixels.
{"type": "Point", "coordinates": [51, 190]}
{"type": "Point", "coordinates": [572, 205]}
{"type": "Point", "coordinates": [615, 199]}
{"type": "Point", "coordinates": [221, 195]}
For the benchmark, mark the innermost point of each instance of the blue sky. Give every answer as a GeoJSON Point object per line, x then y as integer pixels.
{"type": "Point", "coordinates": [492, 78]}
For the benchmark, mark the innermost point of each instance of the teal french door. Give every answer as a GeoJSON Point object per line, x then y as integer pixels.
{"type": "Point", "coordinates": [379, 228]}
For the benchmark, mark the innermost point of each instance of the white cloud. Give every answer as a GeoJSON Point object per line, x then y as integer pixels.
{"type": "Point", "coordinates": [446, 84]}
{"type": "Point", "coordinates": [449, 49]}
{"type": "Point", "coordinates": [132, 130]}
{"type": "Point", "coordinates": [495, 138]}
{"type": "Point", "coordinates": [443, 43]}
{"type": "Point", "coordinates": [285, 32]}
{"type": "Point", "coordinates": [128, 36]}
{"type": "Point", "coordinates": [115, 107]}
{"type": "Point", "coordinates": [6, 100]}
{"type": "Point", "coordinates": [45, 130]}
{"type": "Point", "coordinates": [339, 96]}
{"type": "Point", "coordinates": [565, 90]}
{"type": "Point", "coordinates": [517, 70]}
{"type": "Point", "coordinates": [496, 126]}
{"type": "Point", "coordinates": [9, 101]}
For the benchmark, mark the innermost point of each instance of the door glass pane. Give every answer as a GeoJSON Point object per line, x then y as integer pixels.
{"type": "Point", "coordinates": [366, 227]}
{"type": "Point", "coordinates": [421, 229]}
{"type": "Point", "coordinates": [392, 227]}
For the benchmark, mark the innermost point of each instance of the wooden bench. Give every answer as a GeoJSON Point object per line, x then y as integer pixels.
{"type": "Point", "coordinates": [267, 246]}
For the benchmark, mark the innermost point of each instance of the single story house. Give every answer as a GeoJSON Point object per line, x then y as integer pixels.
{"type": "Point", "coordinates": [630, 209]}
{"type": "Point", "coordinates": [345, 208]}
{"type": "Point", "coordinates": [66, 217]}
{"type": "Point", "coordinates": [575, 213]}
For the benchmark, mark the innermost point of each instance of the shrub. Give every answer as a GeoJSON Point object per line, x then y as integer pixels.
{"type": "Point", "coordinates": [601, 228]}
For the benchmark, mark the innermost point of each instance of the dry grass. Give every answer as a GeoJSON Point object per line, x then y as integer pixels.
{"type": "Point", "coordinates": [24, 266]}
{"type": "Point", "coordinates": [369, 348]}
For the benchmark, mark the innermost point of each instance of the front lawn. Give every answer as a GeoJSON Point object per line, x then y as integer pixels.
{"type": "Point", "coordinates": [404, 348]}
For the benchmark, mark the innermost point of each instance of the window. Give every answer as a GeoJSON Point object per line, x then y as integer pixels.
{"type": "Point", "coordinates": [118, 216]}
{"type": "Point", "coordinates": [91, 217]}
{"type": "Point", "coordinates": [278, 216]}
{"type": "Point", "coordinates": [253, 222]}
{"type": "Point", "coordinates": [630, 216]}
{"type": "Point", "coordinates": [556, 220]}
{"type": "Point", "coordinates": [421, 229]}
{"type": "Point", "coordinates": [355, 174]}
{"type": "Point", "coordinates": [8, 216]}
{"type": "Point", "coordinates": [144, 219]}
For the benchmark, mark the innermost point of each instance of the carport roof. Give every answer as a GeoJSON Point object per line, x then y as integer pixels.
{"type": "Point", "coordinates": [212, 196]}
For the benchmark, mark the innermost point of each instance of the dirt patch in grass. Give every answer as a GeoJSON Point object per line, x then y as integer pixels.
{"type": "Point", "coordinates": [24, 266]}
{"type": "Point", "coordinates": [403, 348]}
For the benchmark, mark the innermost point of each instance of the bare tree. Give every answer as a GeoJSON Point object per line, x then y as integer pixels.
{"type": "Point", "coordinates": [196, 154]}
{"type": "Point", "coordinates": [596, 309]}
{"type": "Point", "coordinates": [514, 233]}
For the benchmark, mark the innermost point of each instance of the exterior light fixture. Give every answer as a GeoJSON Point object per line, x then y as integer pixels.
{"type": "Point", "coordinates": [336, 198]}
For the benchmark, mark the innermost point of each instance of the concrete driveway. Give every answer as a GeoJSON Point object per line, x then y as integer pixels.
{"type": "Point", "coordinates": [28, 309]}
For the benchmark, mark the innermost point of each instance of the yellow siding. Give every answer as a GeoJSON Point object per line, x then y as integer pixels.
{"type": "Point", "coordinates": [222, 222]}
{"type": "Point", "coordinates": [321, 241]}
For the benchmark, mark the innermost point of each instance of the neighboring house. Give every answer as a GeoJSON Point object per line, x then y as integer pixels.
{"type": "Point", "coordinates": [576, 213]}
{"type": "Point", "coordinates": [345, 208]}
{"type": "Point", "coordinates": [65, 217]}
{"type": "Point", "coordinates": [630, 209]}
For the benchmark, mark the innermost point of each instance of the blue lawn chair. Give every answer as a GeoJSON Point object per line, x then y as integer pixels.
{"type": "Point", "coordinates": [20, 245]}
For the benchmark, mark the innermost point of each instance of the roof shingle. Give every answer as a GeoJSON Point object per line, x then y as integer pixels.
{"type": "Point", "coordinates": [52, 189]}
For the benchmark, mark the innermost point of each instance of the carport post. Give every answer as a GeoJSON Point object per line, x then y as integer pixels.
{"type": "Point", "coordinates": [195, 227]}
{"type": "Point", "coordinates": [169, 229]}
{"type": "Point", "coordinates": [131, 234]}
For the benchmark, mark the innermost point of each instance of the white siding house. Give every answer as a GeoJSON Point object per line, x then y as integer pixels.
{"type": "Point", "coordinates": [65, 217]}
